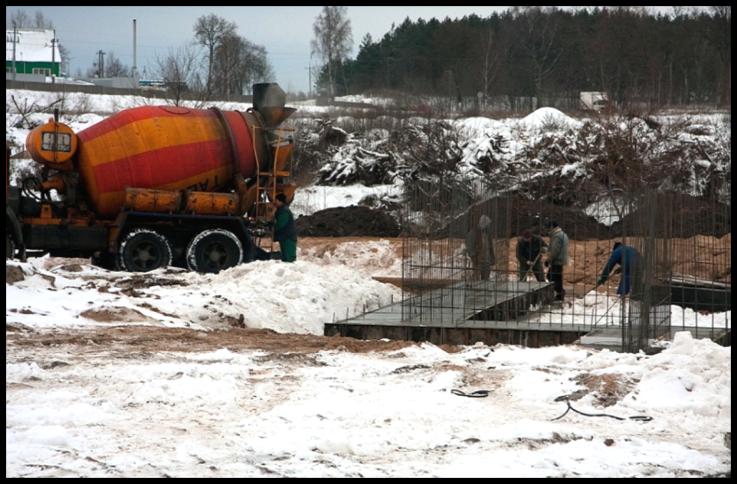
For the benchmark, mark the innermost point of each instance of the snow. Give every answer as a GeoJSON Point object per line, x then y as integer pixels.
{"type": "Point", "coordinates": [33, 45]}
{"type": "Point", "coordinates": [359, 98]}
{"type": "Point", "coordinates": [105, 104]}
{"type": "Point", "coordinates": [546, 144]}
{"type": "Point", "coordinates": [606, 212]}
{"type": "Point", "coordinates": [310, 107]}
{"type": "Point", "coordinates": [382, 414]}
{"type": "Point", "coordinates": [601, 310]}
{"type": "Point", "coordinates": [544, 117]}
{"type": "Point", "coordinates": [287, 298]}
{"type": "Point", "coordinates": [475, 127]}
{"type": "Point", "coordinates": [372, 257]}
{"type": "Point", "coordinates": [311, 199]}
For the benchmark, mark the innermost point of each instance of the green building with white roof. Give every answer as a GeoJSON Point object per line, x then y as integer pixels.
{"type": "Point", "coordinates": [35, 52]}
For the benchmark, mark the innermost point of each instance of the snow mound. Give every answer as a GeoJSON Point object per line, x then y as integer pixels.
{"type": "Point", "coordinates": [548, 119]}
{"type": "Point", "coordinates": [477, 126]}
{"type": "Point", "coordinates": [297, 297]}
{"type": "Point", "coordinates": [359, 98]}
{"type": "Point", "coordinates": [287, 298]}
{"type": "Point", "coordinates": [692, 375]}
{"type": "Point", "coordinates": [311, 199]}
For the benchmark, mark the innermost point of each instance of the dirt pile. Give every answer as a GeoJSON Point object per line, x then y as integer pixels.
{"type": "Point", "coordinates": [533, 214]}
{"type": "Point", "coordinates": [113, 315]}
{"type": "Point", "coordinates": [13, 274]}
{"type": "Point", "coordinates": [512, 215]}
{"type": "Point", "coordinates": [675, 215]}
{"type": "Point", "coordinates": [679, 216]}
{"type": "Point", "coordinates": [348, 221]}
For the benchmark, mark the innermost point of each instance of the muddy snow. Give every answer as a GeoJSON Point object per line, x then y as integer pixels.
{"type": "Point", "coordinates": [101, 405]}
{"type": "Point", "coordinates": [168, 374]}
{"type": "Point", "coordinates": [333, 278]}
{"type": "Point", "coordinates": [289, 298]}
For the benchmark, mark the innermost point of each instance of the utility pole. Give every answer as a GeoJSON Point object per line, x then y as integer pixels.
{"type": "Point", "coordinates": [15, 41]}
{"type": "Point", "coordinates": [53, 57]}
{"type": "Point", "coordinates": [100, 63]}
{"type": "Point", "coordinates": [309, 86]}
{"type": "Point", "coordinates": [309, 70]}
{"type": "Point", "coordinates": [134, 71]}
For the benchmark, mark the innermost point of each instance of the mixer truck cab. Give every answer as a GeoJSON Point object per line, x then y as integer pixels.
{"type": "Point", "coordinates": [155, 186]}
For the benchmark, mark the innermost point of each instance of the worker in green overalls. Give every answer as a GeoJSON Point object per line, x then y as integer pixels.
{"type": "Point", "coordinates": [285, 231]}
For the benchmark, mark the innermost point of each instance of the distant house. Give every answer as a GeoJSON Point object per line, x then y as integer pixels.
{"type": "Point", "coordinates": [33, 52]}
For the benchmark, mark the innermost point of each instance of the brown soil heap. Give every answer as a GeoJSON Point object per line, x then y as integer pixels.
{"type": "Point", "coordinates": [348, 221]}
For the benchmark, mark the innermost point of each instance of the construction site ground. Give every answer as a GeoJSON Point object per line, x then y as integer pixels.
{"type": "Point", "coordinates": [94, 389]}
{"type": "Point", "coordinates": [158, 402]}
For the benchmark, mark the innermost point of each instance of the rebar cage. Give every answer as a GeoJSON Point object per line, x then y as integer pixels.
{"type": "Point", "coordinates": [460, 262]}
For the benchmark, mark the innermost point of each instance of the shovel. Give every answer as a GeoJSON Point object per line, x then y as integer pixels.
{"type": "Point", "coordinates": [532, 266]}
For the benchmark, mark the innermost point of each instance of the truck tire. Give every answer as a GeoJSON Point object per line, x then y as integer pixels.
{"type": "Point", "coordinates": [144, 250]}
{"type": "Point", "coordinates": [214, 250]}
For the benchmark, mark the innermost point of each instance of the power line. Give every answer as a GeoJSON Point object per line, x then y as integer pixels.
{"type": "Point", "coordinates": [53, 57]}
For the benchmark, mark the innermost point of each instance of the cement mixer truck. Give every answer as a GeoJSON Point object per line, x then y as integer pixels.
{"type": "Point", "coordinates": [155, 186]}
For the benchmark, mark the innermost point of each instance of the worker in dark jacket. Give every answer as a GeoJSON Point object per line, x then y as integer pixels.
{"type": "Point", "coordinates": [285, 231]}
{"type": "Point", "coordinates": [630, 262]}
{"type": "Point", "coordinates": [529, 251]}
{"type": "Point", "coordinates": [557, 258]}
{"type": "Point", "coordinates": [480, 248]}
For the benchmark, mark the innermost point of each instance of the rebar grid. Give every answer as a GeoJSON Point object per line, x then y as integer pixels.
{"type": "Point", "coordinates": [682, 242]}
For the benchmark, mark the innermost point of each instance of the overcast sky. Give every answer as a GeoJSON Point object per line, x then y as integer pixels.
{"type": "Point", "coordinates": [284, 31]}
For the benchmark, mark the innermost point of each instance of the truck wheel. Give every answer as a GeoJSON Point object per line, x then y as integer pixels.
{"type": "Point", "coordinates": [9, 246]}
{"type": "Point", "coordinates": [213, 251]}
{"type": "Point", "coordinates": [144, 250]}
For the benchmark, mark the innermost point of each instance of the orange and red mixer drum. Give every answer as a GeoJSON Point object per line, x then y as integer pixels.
{"type": "Point", "coordinates": [167, 148]}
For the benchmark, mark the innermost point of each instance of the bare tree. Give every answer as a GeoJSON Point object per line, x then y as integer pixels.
{"type": "Point", "coordinates": [254, 65]}
{"type": "Point", "coordinates": [114, 67]}
{"type": "Point", "coordinates": [179, 70]}
{"type": "Point", "coordinates": [18, 19]}
{"type": "Point", "coordinates": [226, 65]}
{"type": "Point", "coordinates": [209, 31]}
{"type": "Point", "coordinates": [65, 58]}
{"type": "Point", "coordinates": [238, 64]}
{"type": "Point", "coordinates": [333, 38]}
{"type": "Point", "coordinates": [540, 29]}
{"type": "Point", "coordinates": [22, 19]}
{"type": "Point", "coordinates": [723, 42]}
{"type": "Point", "coordinates": [92, 71]}
{"type": "Point", "coordinates": [490, 69]}
{"type": "Point", "coordinates": [41, 22]}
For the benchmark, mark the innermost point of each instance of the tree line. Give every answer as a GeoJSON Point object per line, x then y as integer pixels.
{"type": "Point", "coordinates": [675, 59]}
